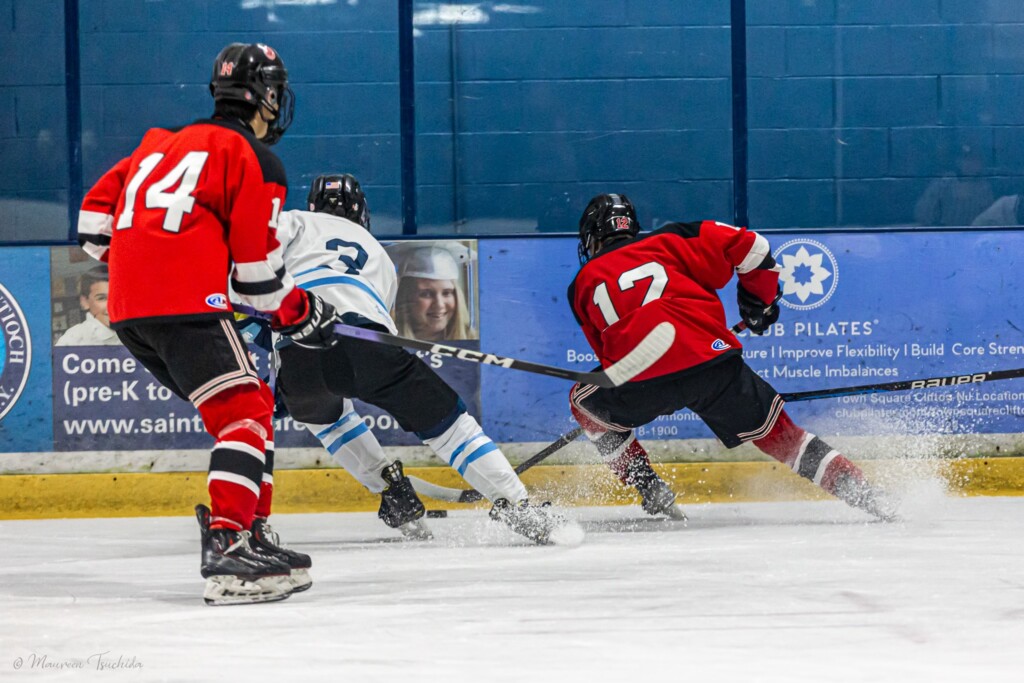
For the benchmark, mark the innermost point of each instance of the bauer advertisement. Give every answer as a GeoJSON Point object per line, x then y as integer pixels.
{"type": "Point", "coordinates": [857, 309]}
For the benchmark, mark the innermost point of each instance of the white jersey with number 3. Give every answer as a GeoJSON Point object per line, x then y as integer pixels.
{"type": "Point", "coordinates": [341, 262]}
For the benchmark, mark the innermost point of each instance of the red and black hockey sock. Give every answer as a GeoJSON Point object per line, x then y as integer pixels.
{"type": "Point", "coordinates": [806, 454]}
{"type": "Point", "coordinates": [616, 444]}
{"type": "Point", "coordinates": [633, 466]}
{"type": "Point", "coordinates": [235, 417]}
{"type": "Point", "coordinates": [267, 482]}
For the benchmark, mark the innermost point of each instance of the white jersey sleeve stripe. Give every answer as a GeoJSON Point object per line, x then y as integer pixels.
{"type": "Point", "coordinates": [755, 257]}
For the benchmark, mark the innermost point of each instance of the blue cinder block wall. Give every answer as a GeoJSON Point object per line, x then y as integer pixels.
{"type": "Point", "coordinates": [856, 106]}
{"type": "Point", "coordinates": [524, 111]}
{"type": "Point", "coordinates": [33, 127]}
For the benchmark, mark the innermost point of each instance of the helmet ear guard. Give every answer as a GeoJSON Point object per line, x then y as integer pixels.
{"type": "Point", "coordinates": [339, 194]}
{"type": "Point", "coordinates": [607, 216]}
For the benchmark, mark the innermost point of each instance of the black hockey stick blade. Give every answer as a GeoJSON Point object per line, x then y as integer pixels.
{"type": "Point", "coordinates": [904, 385]}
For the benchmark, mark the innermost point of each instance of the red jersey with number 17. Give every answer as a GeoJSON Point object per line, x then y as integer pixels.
{"type": "Point", "coordinates": [187, 209]}
{"type": "Point", "coordinates": [672, 274]}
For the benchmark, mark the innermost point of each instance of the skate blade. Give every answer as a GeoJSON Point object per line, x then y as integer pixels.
{"type": "Point", "coordinates": [416, 530]}
{"type": "Point", "coordinates": [300, 580]}
{"type": "Point", "coordinates": [884, 516]}
{"type": "Point", "coordinates": [230, 590]}
{"type": "Point", "coordinates": [675, 513]}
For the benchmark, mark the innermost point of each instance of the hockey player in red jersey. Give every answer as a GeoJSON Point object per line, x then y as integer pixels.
{"type": "Point", "coordinates": [628, 284]}
{"type": "Point", "coordinates": [189, 208]}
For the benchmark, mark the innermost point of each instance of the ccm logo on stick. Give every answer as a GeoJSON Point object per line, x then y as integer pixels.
{"type": "Point", "coordinates": [948, 381]}
{"type": "Point", "coordinates": [467, 354]}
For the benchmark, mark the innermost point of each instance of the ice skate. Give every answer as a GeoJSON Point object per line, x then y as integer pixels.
{"type": "Point", "coordinates": [535, 522]}
{"type": "Point", "coordinates": [657, 496]}
{"type": "Point", "coordinates": [234, 573]}
{"type": "Point", "coordinates": [266, 540]}
{"type": "Point", "coordinates": [858, 493]}
{"type": "Point", "coordinates": [399, 504]}
{"type": "Point", "coordinates": [660, 499]}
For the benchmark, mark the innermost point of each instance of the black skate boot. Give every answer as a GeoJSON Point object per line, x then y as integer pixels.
{"type": "Point", "coordinates": [858, 493]}
{"type": "Point", "coordinates": [658, 497]}
{"type": "Point", "coordinates": [400, 507]}
{"type": "Point", "coordinates": [265, 540]}
{"type": "Point", "coordinates": [535, 522]}
{"type": "Point", "coordinates": [234, 573]}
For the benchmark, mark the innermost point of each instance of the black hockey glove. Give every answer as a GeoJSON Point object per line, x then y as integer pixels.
{"type": "Point", "coordinates": [757, 315]}
{"type": "Point", "coordinates": [316, 330]}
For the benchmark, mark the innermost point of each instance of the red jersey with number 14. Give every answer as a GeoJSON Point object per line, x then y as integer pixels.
{"type": "Point", "coordinates": [672, 274]}
{"type": "Point", "coordinates": [187, 209]}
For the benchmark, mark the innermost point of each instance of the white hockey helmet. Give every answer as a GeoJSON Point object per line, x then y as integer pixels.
{"type": "Point", "coordinates": [431, 261]}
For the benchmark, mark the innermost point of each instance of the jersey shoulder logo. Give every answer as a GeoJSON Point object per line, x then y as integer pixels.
{"type": "Point", "coordinates": [809, 274]}
{"type": "Point", "coordinates": [15, 352]}
{"type": "Point", "coordinates": [719, 345]}
{"type": "Point", "coordinates": [217, 301]}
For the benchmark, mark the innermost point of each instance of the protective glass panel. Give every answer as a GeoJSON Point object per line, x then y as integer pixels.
{"type": "Point", "coordinates": [33, 124]}
{"type": "Point", "coordinates": [524, 112]}
{"type": "Point", "coordinates": [151, 66]}
{"type": "Point", "coordinates": [866, 114]}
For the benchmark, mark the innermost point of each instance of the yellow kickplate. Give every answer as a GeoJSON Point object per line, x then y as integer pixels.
{"type": "Point", "coordinates": [40, 496]}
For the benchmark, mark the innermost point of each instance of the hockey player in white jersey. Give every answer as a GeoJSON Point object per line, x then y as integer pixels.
{"type": "Point", "coordinates": [329, 250]}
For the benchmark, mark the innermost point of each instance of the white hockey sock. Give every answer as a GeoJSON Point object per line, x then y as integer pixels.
{"type": "Point", "coordinates": [481, 463]}
{"type": "Point", "coordinates": [353, 446]}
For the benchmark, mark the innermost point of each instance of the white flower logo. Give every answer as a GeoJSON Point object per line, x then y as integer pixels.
{"type": "Point", "coordinates": [809, 273]}
{"type": "Point", "coordinates": [802, 274]}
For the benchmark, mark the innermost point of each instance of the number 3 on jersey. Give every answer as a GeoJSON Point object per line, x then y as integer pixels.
{"type": "Point", "coordinates": [653, 270]}
{"type": "Point", "coordinates": [356, 263]}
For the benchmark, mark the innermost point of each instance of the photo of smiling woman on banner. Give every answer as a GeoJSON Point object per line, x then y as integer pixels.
{"type": "Point", "coordinates": [437, 286]}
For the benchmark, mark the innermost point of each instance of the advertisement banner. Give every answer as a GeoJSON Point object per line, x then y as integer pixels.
{"type": "Point", "coordinates": [25, 417]}
{"type": "Point", "coordinates": [857, 308]}
{"type": "Point", "coordinates": [104, 399]}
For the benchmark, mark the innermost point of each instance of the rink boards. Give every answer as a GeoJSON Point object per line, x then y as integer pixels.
{"type": "Point", "coordinates": [334, 490]}
{"type": "Point", "coordinates": [858, 308]}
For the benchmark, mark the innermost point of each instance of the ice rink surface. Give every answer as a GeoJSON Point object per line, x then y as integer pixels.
{"type": "Point", "coordinates": [788, 592]}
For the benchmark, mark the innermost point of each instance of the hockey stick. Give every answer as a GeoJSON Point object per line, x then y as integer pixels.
{"type": "Point", "coordinates": [646, 353]}
{"type": "Point", "coordinates": [649, 350]}
{"type": "Point", "coordinates": [904, 385]}
{"type": "Point", "coordinates": [453, 495]}
{"type": "Point", "coordinates": [469, 496]}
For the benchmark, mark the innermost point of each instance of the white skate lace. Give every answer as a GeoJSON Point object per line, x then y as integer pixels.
{"type": "Point", "coordinates": [242, 542]}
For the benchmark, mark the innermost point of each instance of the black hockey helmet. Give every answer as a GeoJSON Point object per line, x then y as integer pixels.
{"type": "Point", "coordinates": [606, 216]}
{"type": "Point", "coordinates": [254, 74]}
{"type": "Point", "coordinates": [339, 194]}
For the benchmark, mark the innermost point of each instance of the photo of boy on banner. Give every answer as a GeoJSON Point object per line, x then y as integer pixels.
{"type": "Point", "coordinates": [78, 304]}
